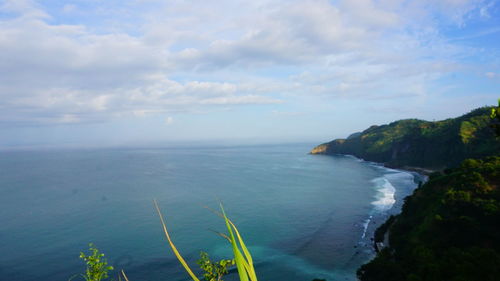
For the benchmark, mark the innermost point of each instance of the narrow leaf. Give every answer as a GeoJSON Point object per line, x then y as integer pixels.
{"type": "Point", "coordinates": [248, 257]}
{"type": "Point", "coordinates": [249, 261]}
{"type": "Point", "coordinates": [174, 249]}
{"type": "Point", "coordinates": [220, 234]}
{"type": "Point", "coordinates": [124, 276]}
{"type": "Point", "coordinates": [238, 257]}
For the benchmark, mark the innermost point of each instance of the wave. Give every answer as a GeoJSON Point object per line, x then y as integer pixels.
{"type": "Point", "coordinates": [384, 200]}
{"type": "Point", "coordinates": [354, 158]}
{"type": "Point", "coordinates": [385, 197]}
{"type": "Point", "coordinates": [365, 226]}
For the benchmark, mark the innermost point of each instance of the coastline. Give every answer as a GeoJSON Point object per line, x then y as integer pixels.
{"type": "Point", "coordinates": [380, 235]}
{"type": "Point", "coordinates": [420, 177]}
{"type": "Point", "coordinates": [419, 170]}
{"type": "Point", "coordinates": [423, 172]}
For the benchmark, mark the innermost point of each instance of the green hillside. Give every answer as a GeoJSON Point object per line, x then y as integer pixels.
{"type": "Point", "coordinates": [449, 229]}
{"type": "Point", "coordinates": [418, 143]}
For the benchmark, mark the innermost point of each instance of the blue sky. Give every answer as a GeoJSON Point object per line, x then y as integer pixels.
{"type": "Point", "coordinates": [101, 72]}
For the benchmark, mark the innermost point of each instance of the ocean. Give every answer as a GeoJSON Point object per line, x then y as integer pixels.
{"type": "Point", "coordinates": [302, 216]}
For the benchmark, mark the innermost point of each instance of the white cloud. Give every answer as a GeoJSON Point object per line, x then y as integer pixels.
{"type": "Point", "coordinates": [369, 14]}
{"type": "Point", "coordinates": [247, 99]}
{"type": "Point", "coordinates": [24, 8]}
{"type": "Point", "coordinates": [73, 71]}
{"type": "Point", "coordinates": [169, 120]}
{"type": "Point", "coordinates": [492, 75]}
{"type": "Point", "coordinates": [69, 118]}
{"type": "Point", "coordinates": [69, 8]}
{"type": "Point", "coordinates": [299, 32]}
{"type": "Point", "coordinates": [184, 56]}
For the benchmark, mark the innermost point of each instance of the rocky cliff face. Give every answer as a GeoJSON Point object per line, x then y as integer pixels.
{"type": "Point", "coordinates": [412, 142]}
{"type": "Point", "coordinates": [320, 149]}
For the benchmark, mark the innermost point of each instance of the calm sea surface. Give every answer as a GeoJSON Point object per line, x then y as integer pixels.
{"type": "Point", "coordinates": [302, 216]}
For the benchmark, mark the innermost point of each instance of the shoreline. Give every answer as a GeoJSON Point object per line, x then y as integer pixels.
{"type": "Point", "coordinates": [420, 177]}
{"type": "Point", "coordinates": [424, 172]}
{"type": "Point", "coordinates": [420, 170]}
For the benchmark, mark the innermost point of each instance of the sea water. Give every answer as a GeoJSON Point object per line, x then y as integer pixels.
{"type": "Point", "coordinates": [302, 216]}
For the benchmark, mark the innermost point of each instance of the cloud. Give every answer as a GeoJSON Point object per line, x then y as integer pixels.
{"type": "Point", "coordinates": [247, 99]}
{"type": "Point", "coordinates": [185, 57]}
{"type": "Point", "coordinates": [492, 75]}
{"type": "Point", "coordinates": [295, 33]}
{"type": "Point", "coordinates": [169, 120]}
{"type": "Point", "coordinates": [69, 8]}
{"type": "Point", "coordinates": [23, 8]}
{"type": "Point", "coordinates": [65, 73]}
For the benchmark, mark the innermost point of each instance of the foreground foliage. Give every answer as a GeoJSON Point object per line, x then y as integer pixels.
{"type": "Point", "coordinates": [214, 271]}
{"type": "Point", "coordinates": [98, 268]}
{"type": "Point", "coordinates": [448, 230]}
{"type": "Point", "coordinates": [242, 257]}
{"type": "Point", "coordinates": [97, 265]}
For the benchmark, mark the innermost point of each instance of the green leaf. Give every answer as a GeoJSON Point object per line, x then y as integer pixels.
{"type": "Point", "coordinates": [245, 266]}
{"type": "Point", "coordinates": [174, 249]}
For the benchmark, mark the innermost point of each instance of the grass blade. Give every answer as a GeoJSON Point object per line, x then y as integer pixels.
{"type": "Point", "coordinates": [174, 249]}
{"type": "Point", "coordinates": [238, 257]}
{"type": "Point", "coordinates": [221, 235]}
{"type": "Point", "coordinates": [248, 263]}
{"type": "Point", "coordinates": [248, 257]}
{"type": "Point", "coordinates": [245, 266]}
{"type": "Point", "coordinates": [124, 276]}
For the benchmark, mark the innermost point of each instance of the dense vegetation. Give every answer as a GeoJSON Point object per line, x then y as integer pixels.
{"type": "Point", "coordinates": [449, 229]}
{"type": "Point", "coordinates": [412, 142]}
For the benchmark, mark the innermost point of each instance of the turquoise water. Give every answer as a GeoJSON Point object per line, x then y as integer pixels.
{"type": "Point", "coordinates": [302, 216]}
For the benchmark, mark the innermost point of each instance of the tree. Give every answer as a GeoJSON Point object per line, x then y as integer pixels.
{"type": "Point", "coordinates": [495, 115]}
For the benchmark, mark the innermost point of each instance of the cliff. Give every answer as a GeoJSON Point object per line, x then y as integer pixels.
{"type": "Point", "coordinates": [418, 143]}
{"type": "Point", "coordinates": [448, 229]}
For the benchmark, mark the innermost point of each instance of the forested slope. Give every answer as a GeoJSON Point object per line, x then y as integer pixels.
{"type": "Point", "coordinates": [449, 229]}
{"type": "Point", "coordinates": [418, 143]}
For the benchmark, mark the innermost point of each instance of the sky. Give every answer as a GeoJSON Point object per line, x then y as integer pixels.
{"type": "Point", "coordinates": [117, 72]}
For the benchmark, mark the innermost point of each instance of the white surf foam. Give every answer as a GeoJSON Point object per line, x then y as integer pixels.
{"type": "Point", "coordinates": [354, 158]}
{"type": "Point", "coordinates": [365, 226]}
{"type": "Point", "coordinates": [385, 197]}
{"type": "Point", "coordinates": [402, 178]}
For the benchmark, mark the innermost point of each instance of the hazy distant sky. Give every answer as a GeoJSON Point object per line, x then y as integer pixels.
{"type": "Point", "coordinates": [117, 72]}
